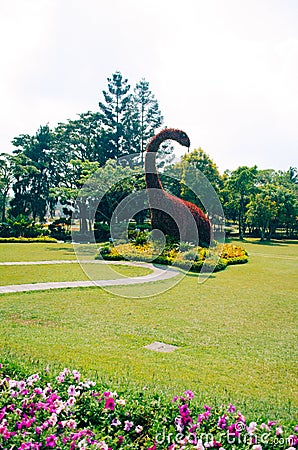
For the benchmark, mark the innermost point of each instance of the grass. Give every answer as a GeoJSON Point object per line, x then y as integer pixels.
{"type": "Point", "coordinates": [236, 333]}
{"type": "Point", "coordinates": [62, 272]}
{"type": "Point", "coordinates": [36, 252]}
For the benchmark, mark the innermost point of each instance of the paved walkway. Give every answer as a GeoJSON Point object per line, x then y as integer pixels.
{"type": "Point", "coordinates": [158, 273]}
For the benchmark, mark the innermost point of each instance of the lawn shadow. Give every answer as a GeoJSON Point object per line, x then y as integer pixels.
{"type": "Point", "coordinates": [59, 249]}
{"type": "Point", "coordinates": [271, 243]}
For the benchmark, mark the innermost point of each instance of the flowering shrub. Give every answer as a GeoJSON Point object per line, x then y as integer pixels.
{"type": "Point", "coordinates": [68, 411]}
{"type": "Point", "coordinates": [188, 257]}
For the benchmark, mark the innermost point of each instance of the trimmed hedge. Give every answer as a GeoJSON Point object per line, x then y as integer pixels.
{"type": "Point", "coordinates": [24, 240]}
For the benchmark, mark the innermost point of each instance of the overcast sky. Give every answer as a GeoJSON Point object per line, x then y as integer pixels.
{"type": "Point", "coordinates": [224, 71]}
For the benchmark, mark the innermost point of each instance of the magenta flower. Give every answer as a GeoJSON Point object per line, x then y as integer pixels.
{"type": "Point", "coordinates": [234, 430]}
{"type": "Point", "coordinates": [120, 440]}
{"type": "Point", "coordinates": [222, 423]}
{"type": "Point", "coordinates": [189, 394]}
{"type": "Point", "coordinates": [231, 408]}
{"type": "Point", "coordinates": [293, 440]}
{"type": "Point", "coordinates": [51, 441]}
{"type": "Point", "coordinates": [110, 403]}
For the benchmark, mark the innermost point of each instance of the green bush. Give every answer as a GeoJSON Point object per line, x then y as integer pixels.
{"type": "Point", "coordinates": [140, 239]}
{"type": "Point", "coordinates": [105, 249]}
{"type": "Point", "coordinates": [58, 229]}
{"type": "Point", "coordinates": [191, 255]}
{"type": "Point", "coordinates": [101, 232]}
{"type": "Point", "coordinates": [185, 246]}
{"type": "Point", "coordinates": [28, 240]}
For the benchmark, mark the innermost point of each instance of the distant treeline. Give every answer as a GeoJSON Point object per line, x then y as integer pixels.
{"type": "Point", "coordinates": [50, 167]}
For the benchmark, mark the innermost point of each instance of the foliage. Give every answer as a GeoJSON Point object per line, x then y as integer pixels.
{"type": "Point", "coordinates": [19, 240]}
{"type": "Point", "coordinates": [33, 174]}
{"type": "Point", "coordinates": [21, 226]}
{"type": "Point", "coordinates": [238, 188]}
{"type": "Point", "coordinates": [60, 229]}
{"type": "Point", "coordinates": [69, 411]}
{"type": "Point", "coordinates": [6, 180]}
{"type": "Point", "coordinates": [217, 258]}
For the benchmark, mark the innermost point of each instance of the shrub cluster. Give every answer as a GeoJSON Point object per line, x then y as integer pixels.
{"type": "Point", "coordinates": [68, 411]}
{"type": "Point", "coordinates": [185, 256]}
{"type": "Point", "coordinates": [28, 240]}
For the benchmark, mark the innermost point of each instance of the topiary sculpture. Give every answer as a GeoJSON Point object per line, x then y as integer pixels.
{"type": "Point", "coordinates": [173, 216]}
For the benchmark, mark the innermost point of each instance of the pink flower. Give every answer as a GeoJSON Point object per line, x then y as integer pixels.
{"type": "Point", "coordinates": [72, 391]}
{"type": "Point", "coordinates": [128, 425]}
{"type": "Point", "coordinates": [189, 394]}
{"type": "Point", "coordinates": [138, 429]}
{"type": "Point", "coordinates": [252, 427]}
{"type": "Point", "coordinates": [115, 422]}
{"type": "Point", "coordinates": [51, 441]}
{"type": "Point", "coordinates": [76, 375]}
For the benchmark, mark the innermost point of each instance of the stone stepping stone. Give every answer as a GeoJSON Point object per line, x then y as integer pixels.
{"type": "Point", "coordinates": [161, 347]}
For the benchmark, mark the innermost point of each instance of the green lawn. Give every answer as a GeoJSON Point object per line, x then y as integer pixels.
{"type": "Point", "coordinates": [66, 272]}
{"type": "Point", "coordinates": [36, 252]}
{"type": "Point", "coordinates": [236, 333]}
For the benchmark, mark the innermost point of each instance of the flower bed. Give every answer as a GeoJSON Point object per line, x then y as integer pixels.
{"type": "Point", "coordinates": [68, 411]}
{"type": "Point", "coordinates": [185, 257]}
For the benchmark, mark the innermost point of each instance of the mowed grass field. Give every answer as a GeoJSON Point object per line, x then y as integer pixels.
{"type": "Point", "coordinates": [236, 333]}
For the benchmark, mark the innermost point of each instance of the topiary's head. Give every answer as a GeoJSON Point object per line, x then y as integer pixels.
{"type": "Point", "coordinates": [175, 134]}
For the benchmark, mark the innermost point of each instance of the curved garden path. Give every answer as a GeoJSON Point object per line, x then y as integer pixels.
{"type": "Point", "coordinates": [158, 273]}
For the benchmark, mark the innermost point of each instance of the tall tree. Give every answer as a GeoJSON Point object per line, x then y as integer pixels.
{"type": "Point", "coordinates": [112, 110]}
{"type": "Point", "coordinates": [189, 170]}
{"type": "Point", "coordinates": [238, 187]}
{"type": "Point", "coordinates": [149, 114]}
{"type": "Point", "coordinates": [32, 173]}
{"type": "Point", "coordinates": [6, 180]}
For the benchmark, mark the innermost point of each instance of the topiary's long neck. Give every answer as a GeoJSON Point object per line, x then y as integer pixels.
{"type": "Point", "coordinates": [151, 175]}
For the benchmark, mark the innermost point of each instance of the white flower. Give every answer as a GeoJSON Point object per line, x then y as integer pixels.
{"type": "Point", "coordinates": [71, 424]}
{"type": "Point", "coordinates": [120, 401]}
{"type": "Point", "coordinates": [53, 419]}
{"type": "Point", "coordinates": [12, 383]}
{"type": "Point", "coordinates": [138, 429]}
{"type": "Point", "coordinates": [200, 445]}
{"type": "Point", "coordinates": [102, 446]}
{"type": "Point", "coordinates": [71, 401]}
{"type": "Point", "coordinates": [257, 447]}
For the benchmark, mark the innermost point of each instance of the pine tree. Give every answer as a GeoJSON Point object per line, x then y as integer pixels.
{"type": "Point", "coordinates": [149, 114]}
{"type": "Point", "coordinates": [113, 110]}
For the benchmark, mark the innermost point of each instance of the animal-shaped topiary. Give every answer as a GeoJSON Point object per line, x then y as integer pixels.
{"type": "Point", "coordinates": [177, 218]}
